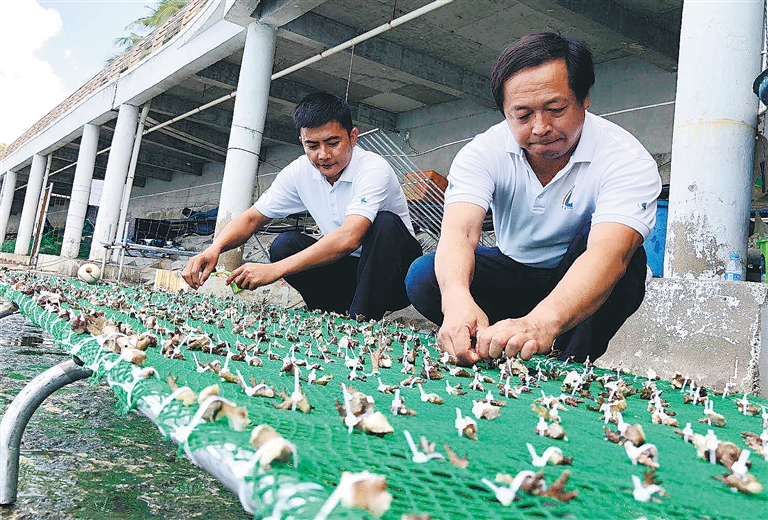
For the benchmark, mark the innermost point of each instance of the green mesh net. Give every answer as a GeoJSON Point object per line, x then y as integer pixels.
{"type": "Point", "coordinates": [601, 471]}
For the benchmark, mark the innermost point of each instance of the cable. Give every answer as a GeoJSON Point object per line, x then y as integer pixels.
{"type": "Point", "coordinates": [627, 110]}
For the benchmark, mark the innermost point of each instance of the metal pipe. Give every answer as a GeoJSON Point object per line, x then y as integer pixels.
{"type": "Point", "coordinates": [46, 199]}
{"type": "Point", "coordinates": [365, 36]}
{"type": "Point", "coordinates": [333, 50]}
{"type": "Point", "coordinates": [18, 414]}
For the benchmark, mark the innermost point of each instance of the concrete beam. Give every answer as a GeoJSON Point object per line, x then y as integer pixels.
{"type": "Point", "coordinates": [276, 133]}
{"type": "Point", "coordinates": [66, 155]}
{"type": "Point", "coordinates": [284, 91]}
{"type": "Point", "coordinates": [62, 182]}
{"type": "Point", "coordinates": [162, 161]}
{"type": "Point", "coordinates": [222, 74]}
{"type": "Point", "coordinates": [279, 12]}
{"type": "Point", "coordinates": [426, 69]}
{"type": "Point", "coordinates": [166, 141]}
{"type": "Point", "coordinates": [637, 34]}
{"type": "Point", "coordinates": [169, 162]}
{"type": "Point", "coordinates": [201, 135]}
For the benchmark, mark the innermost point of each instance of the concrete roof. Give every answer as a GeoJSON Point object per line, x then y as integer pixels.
{"type": "Point", "coordinates": [440, 57]}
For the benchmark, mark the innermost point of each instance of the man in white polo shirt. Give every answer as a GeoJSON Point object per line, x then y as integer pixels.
{"type": "Point", "coordinates": [573, 197]}
{"type": "Point", "coordinates": [368, 243]}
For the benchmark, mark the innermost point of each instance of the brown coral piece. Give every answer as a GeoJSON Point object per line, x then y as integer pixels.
{"type": "Point", "coordinates": [754, 442]}
{"type": "Point", "coordinates": [459, 462]}
{"type": "Point", "coordinates": [557, 489]}
{"type": "Point", "coordinates": [749, 485]}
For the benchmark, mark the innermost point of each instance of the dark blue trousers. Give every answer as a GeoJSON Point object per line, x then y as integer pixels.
{"type": "Point", "coordinates": [366, 286]}
{"type": "Point", "coordinates": [504, 288]}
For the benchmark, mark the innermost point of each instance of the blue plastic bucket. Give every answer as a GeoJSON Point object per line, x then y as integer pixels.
{"type": "Point", "coordinates": [654, 244]}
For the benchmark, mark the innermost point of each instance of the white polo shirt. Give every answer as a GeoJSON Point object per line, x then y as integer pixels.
{"type": "Point", "coordinates": [367, 185]}
{"type": "Point", "coordinates": [609, 178]}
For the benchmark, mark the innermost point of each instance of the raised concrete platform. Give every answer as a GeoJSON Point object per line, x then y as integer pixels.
{"type": "Point", "coordinates": [707, 329]}
{"type": "Point", "coordinates": [710, 330]}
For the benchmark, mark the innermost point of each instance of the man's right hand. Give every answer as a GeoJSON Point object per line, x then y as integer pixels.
{"type": "Point", "coordinates": [200, 267]}
{"type": "Point", "coordinates": [463, 321]}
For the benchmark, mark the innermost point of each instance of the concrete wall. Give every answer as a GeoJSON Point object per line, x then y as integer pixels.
{"type": "Point", "coordinates": [629, 83]}
{"type": "Point", "coordinates": [620, 84]}
{"type": "Point", "coordinates": [438, 125]}
{"type": "Point", "coordinates": [165, 200]}
{"type": "Point", "coordinates": [275, 159]}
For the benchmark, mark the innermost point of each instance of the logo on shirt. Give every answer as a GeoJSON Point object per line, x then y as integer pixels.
{"type": "Point", "coordinates": [363, 201]}
{"type": "Point", "coordinates": [567, 203]}
{"type": "Point", "coordinates": [450, 186]}
{"type": "Point", "coordinates": [643, 205]}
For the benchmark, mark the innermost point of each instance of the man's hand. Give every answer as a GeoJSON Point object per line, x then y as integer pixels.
{"type": "Point", "coordinates": [250, 276]}
{"type": "Point", "coordinates": [463, 321]}
{"type": "Point", "coordinates": [524, 336]}
{"type": "Point", "coordinates": [200, 267]}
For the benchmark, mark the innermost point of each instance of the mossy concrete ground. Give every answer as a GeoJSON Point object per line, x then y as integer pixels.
{"type": "Point", "coordinates": [82, 460]}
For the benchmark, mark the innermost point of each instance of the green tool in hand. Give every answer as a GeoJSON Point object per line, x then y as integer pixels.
{"type": "Point", "coordinates": [235, 288]}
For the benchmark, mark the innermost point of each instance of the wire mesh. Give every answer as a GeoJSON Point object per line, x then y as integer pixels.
{"type": "Point", "coordinates": [601, 471]}
{"type": "Point", "coordinates": [424, 194]}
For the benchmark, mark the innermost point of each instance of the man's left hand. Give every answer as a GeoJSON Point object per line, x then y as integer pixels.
{"type": "Point", "coordinates": [524, 336]}
{"type": "Point", "coordinates": [251, 275]}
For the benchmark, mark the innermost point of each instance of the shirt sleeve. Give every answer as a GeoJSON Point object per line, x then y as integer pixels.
{"type": "Point", "coordinates": [628, 194]}
{"type": "Point", "coordinates": [369, 190]}
{"type": "Point", "coordinates": [281, 198]}
{"type": "Point", "coordinates": [470, 179]}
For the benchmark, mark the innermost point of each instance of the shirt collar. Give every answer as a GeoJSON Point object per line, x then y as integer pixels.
{"type": "Point", "coordinates": [346, 175]}
{"type": "Point", "coordinates": [584, 151]}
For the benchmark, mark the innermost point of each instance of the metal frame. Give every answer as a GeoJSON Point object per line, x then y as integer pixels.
{"type": "Point", "coordinates": [427, 216]}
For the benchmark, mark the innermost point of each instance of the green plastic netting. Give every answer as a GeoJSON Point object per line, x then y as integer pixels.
{"type": "Point", "coordinates": [601, 471]}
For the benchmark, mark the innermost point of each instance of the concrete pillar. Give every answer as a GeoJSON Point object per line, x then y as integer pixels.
{"type": "Point", "coordinates": [714, 137]}
{"type": "Point", "coordinates": [114, 179]}
{"type": "Point", "coordinates": [31, 200]}
{"type": "Point", "coordinates": [9, 188]}
{"type": "Point", "coordinates": [81, 190]}
{"type": "Point", "coordinates": [248, 119]}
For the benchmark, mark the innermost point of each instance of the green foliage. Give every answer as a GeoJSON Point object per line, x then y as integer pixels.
{"type": "Point", "coordinates": [162, 11]}
{"type": "Point", "coordinates": [158, 14]}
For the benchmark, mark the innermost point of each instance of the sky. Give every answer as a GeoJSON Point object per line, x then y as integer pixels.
{"type": "Point", "coordinates": [48, 49]}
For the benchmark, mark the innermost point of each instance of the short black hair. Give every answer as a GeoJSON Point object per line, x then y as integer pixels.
{"type": "Point", "coordinates": [320, 108]}
{"type": "Point", "coordinates": [535, 49]}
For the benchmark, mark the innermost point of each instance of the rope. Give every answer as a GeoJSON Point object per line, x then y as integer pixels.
{"type": "Point", "coordinates": [349, 74]}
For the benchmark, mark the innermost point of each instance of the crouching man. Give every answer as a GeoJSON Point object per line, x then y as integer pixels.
{"type": "Point", "coordinates": [368, 243]}
{"type": "Point", "coordinates": [573, 197]}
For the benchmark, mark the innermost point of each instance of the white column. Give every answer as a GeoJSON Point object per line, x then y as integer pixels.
{"type": "Point", "coordinates": [81, 190]}
{"type": "Point", "coordinates": [114, 179]}
{"type": "Point", "coordinates": [126, 198]}
{"type": "Point", "coordinates": [9, 188]}
{"type": "Point", "coordinates": [248, 119]}
{"type": "Point", "coordinates": [714, 137]}
{"type": "Point", "coordinates": [31, 199]}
